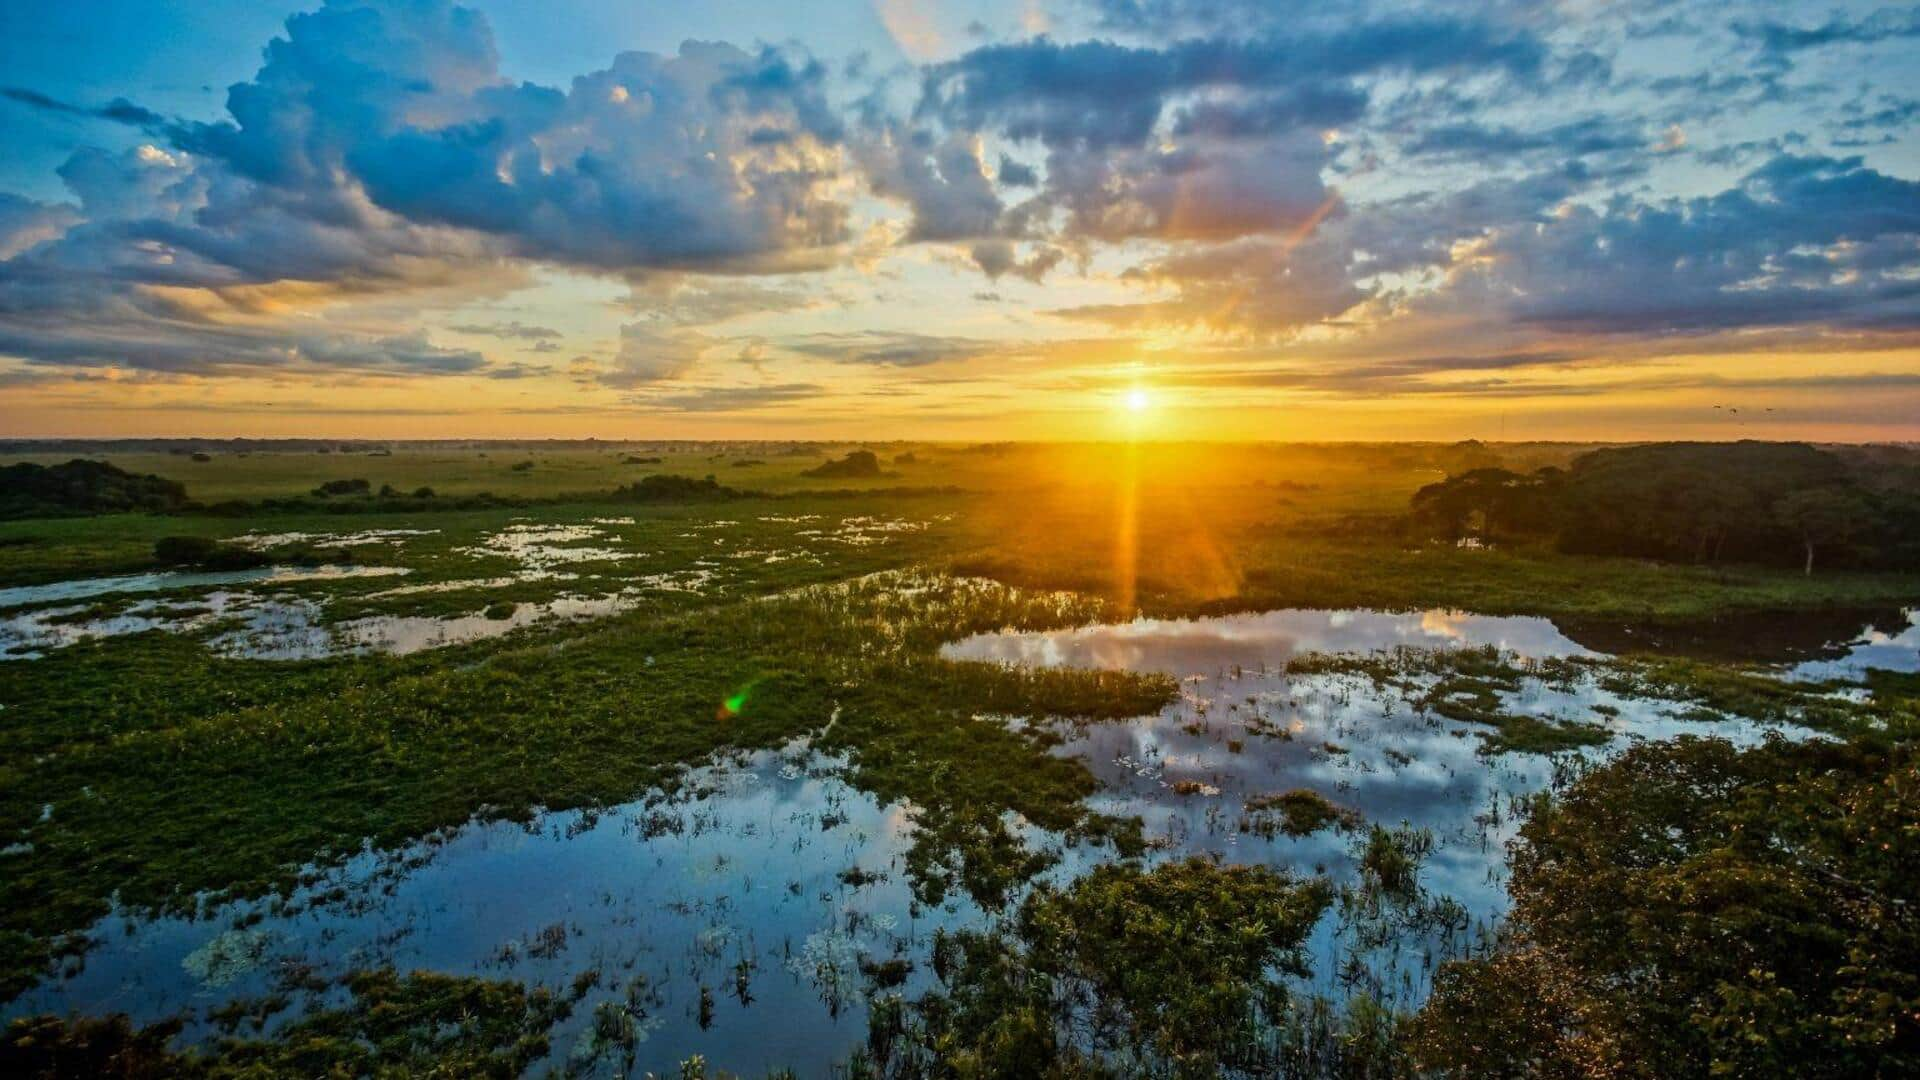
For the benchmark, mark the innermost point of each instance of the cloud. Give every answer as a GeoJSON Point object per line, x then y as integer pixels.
{"type": "Point", "coordinates": [1799, 240]}
{"type": "Point", "coordinates": [727, 398]}
{"type": "Point", "coordinates": [379, 150]}
{"type": "Point", "coordinates": [652, 352]}
{"type": "Point", "coordinates": [1258, 287]}
{"type": "Point", "coordinates": [119, 110]}
{"type": "Point", "coordinates": [515, 330]}
{"type": "Point", "coordinates": [1211, 137]}
{"type": "Point", "coordinates": [1102, 94]}
{"type": "Point", "coordinates": [1886, 24]}
{"type": "Point", "coordinates": [154, 339]}
{"type": "Point", "coordinates": [885, 349]}
{"type": "Point", "coordinates": [25, 223]}
{"type": "Point", "coordinates": [1475, 141]}
{"type": "Point", "coordinates": [714, 158]}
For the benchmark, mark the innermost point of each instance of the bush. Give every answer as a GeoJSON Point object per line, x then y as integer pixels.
{"type": "Point", "coordinates": [204, 553]}
{"type": "Point", "coordinates": [343, 487]}
{"type": "Point", "coordinates": [859, 463]}
{"type": "Point", "coordinates": [666, 487]}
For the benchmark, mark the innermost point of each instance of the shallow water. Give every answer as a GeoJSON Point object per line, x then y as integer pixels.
{"type": "Point", "coordinates": [670, 897]}
{"type": "Point", "coordinates": [677, 892]}
{"type": "Point", "coordinates": [295, 631]}
{"type": "Point", "coordinates": [1191, 646]}
{"type": "Point", "coordinates": [1889, 649]}
{"type": "Point", "coordinates": [1243, 728]}
{"type": "Point", "coordinates": [165, 581]}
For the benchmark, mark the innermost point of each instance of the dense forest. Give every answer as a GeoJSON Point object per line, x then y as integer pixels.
{"type": "Point", "coordinates": [1782, 504]}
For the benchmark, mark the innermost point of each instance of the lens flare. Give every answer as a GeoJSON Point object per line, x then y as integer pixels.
{"type": "Point", "coordinates": [733, 705]}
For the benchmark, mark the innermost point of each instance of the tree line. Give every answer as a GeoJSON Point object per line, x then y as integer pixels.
{"type": "Point", "coordinates": [1781, 504]}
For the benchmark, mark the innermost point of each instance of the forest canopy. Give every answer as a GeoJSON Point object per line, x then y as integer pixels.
{"type": "Point", "coordinates": [1782, 504]}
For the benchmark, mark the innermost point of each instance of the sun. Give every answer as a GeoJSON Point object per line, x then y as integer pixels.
{"type": "Point", "coordinates": [1138, 400]}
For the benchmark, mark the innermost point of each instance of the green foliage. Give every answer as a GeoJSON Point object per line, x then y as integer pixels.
{"type": "Point", "coordinates": [1691, 909]}
{"type": "Point", "coordinates": [858, 464]}
{"type": "Point", "coordinates": [661, 487]}
{"type": "Point", "coordinates": [1173, 971]}
{"type": "Point", "coordinates": [1783, 504]}
{"type": "Point", "coordinates": [204, 553]}
{"type": "Point", "coordinates": [28, 490]}
{"type": "Point", "coordinates": [421, 1024]}
{"type": "Point", "coordinates": [1301, 812]}
{"type": "Point", "coordinates": [343, 487]}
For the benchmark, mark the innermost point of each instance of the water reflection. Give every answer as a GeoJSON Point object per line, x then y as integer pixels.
{"type": "Point", "coordinates": [165, 581]}
{"type": "Point", "coordinates": [740, 886]}
{"type": "Point", "coordinates": [668, 895]}
{"type": "Point", "coordinates": [1189, 646]}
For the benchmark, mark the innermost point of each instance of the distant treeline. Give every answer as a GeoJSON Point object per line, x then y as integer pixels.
{"type": "Point", "coordinates": [80, 488]}
{"type": "Point", "coordinates": [1780, 504]}
{"type": "Point", "coordinates": [185, 447]}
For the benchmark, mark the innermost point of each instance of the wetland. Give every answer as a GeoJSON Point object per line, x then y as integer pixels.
{"type": "Point", "coordinates": [874, 780]}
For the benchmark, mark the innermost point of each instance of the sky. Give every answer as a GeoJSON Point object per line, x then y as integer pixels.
{"type": "Point", "coordinates": [994, 219]}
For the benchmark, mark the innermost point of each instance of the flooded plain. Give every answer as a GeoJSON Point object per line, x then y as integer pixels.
{"type": "Point", "coordinates": [289, 612]}
{"type": "Point", "coordinates": [744, 917]}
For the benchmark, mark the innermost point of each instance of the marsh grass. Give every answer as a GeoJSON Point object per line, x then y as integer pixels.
{"type": "Point", "coordinates": [172, 775]}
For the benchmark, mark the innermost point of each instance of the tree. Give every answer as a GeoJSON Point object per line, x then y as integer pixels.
{"type": "Point", "coordinates": [1824, 518]}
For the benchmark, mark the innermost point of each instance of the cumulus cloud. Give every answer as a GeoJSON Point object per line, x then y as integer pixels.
{"type": "Point", "coordinates": [379, 149]}
{"type": "Point", "coordinates": [1800, 239]}
{"type": "Point", "coordinates": [1455, 188]}
{"type": "Point", "coordinates": [652, 352]}
{"type": "Point", "coordinates": [26, 223]}
{"type": "Point", "coordinates": [714, 158]}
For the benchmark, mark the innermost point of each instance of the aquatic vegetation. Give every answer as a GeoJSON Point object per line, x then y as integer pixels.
{"type": "Point", "coordinates": [227, 957]}
{"type": "Point", "coordinates": [1690, 908]}
{"type": "Point", "coordinates": [1300, 812]}
{"type": "Point", "coordinates": [390, 1025]}
{"type": "Point", "coordinates": [1172, 971]}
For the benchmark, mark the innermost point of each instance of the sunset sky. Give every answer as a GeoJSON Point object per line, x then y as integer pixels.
{"type": "Point", "coordinates": [1079, 219]}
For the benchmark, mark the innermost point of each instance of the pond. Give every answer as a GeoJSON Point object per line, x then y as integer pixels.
{"type": "Point", "coordinates": [768, 880]}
